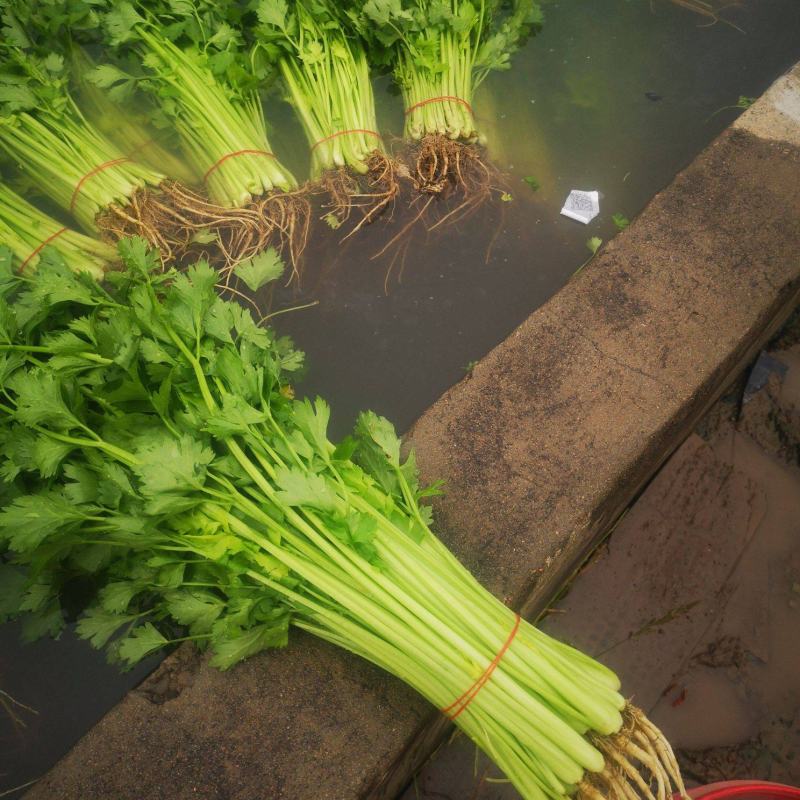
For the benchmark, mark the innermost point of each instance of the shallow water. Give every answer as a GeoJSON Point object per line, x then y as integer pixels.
{"type": "Point", "coordinates": [610, 96]}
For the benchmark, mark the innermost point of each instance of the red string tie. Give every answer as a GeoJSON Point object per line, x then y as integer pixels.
{"type": "Point", "coordinates": [90, 174]}
{"type": "Point", "coordinates": [443, 99]}
{"type": "Point", "coordinates": [40, 247]}
{"type": "Point", "coordinates": [460, 705]}
{"type": "Point", "coordinates": [345, 133]}
{"type": "Point", "coordinates": [236, 154]}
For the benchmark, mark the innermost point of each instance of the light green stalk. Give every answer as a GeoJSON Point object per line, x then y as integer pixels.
{"type": "Point", "coordinates": [224, 136]}
{"type": "Point", "coordinates": [72, 163]}
{"type": "Point", "coordinates": [26, 230]}
{"type": "Point", "coordinates": [327, 76]}
{"type": "Point", "coordinates": [215, 468]}
{"type": "Point", "coordinates": [125, 127]}
{"type": "Point", "coordinates": [440, 102]}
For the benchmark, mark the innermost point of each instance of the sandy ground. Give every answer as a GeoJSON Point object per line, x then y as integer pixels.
{"type": "Point", "coordinates": [706, 634]}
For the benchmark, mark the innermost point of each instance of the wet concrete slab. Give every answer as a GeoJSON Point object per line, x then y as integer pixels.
{"type": "Point", "coordinates": [542, 447]}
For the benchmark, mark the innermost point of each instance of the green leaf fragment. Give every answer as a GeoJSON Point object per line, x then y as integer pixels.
{"type": "Point", "coordinates": [30, 519]}
{"type": "Point", "coordinates": [620, 221]}
{"type": "Point", "coordinates": [236, 645]}
{"type": "Point", "coordinates": [260, 270]}
{"type": "Point", "coordinates": [196, 609]}
{"type": "Point", "coordinates": [594, 244]}
{"type": "Point", "coordinates": [140, 643]}
{"type": "Point", "coordinates": [305, 489]}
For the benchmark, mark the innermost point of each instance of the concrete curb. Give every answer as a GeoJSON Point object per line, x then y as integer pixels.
{"type": "Point", "coordinates": [542, 447]}
{"type": "Point", "coordinates": [776, 115]}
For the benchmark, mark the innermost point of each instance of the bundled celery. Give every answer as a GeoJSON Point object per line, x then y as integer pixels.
{"type": "Point", "coordinates": [47, 137]}
{"type": "Point", "coordinates": [327, 77]}
{"type": "Point", "coordinates": [205, 81]}
{"type": "Point", "coordinates": [149, 445]}
{"type": "Point", "coordinates": [26, 231]}
{"type": "Point", "coordinates": [191, 61]}
{"type": "Point", "coordinates": [439, 52]}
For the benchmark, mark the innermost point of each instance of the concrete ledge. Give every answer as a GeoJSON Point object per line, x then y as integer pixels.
{"type": "Point", "coordinates": [776, 116]}
{"type": "Point", "coordinates": [542, 448]}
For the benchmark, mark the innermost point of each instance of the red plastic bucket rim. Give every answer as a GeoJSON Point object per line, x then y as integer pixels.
{"type": "Point", "coordinates": [753, 790]}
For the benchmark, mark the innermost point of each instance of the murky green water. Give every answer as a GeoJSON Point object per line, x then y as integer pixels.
{"type": "Point", "coordinates": [611, 96]}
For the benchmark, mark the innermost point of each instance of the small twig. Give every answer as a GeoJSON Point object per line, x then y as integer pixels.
{"type": "Point", "coordinates": [18, 788]}
{"type": "Point", "coordinates": [287, 310]}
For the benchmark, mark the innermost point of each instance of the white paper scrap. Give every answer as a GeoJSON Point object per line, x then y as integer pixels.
{"type": "Point", "coordinates": [582, 206]}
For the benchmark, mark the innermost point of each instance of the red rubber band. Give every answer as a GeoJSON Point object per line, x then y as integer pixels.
{"type": "Point", "coordinates": [730, 789]}
{"type": "Point", "coordinates": [462, 702]}
{"type": "Point", "coordinates": [90, 174]}
{"type": "Point", "coordinates": [234, 155]}
{"type": "Point", "coordinates": [344, 133]}
{"type": "Point", "coordinates": [39, 248]}
{"type": "Point", "coordinates": [444, 98]}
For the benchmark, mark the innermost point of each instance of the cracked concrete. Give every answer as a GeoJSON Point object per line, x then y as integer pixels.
{"type": "Point", "coordinates": [542, 447]}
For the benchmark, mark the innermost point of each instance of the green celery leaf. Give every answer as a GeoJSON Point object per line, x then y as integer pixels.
{"type": "Point", "coordinates": [272, 12]}
{"type": "Point", "coordinates": [30, 519]}
{"type": "Point", "coordinates": [171, 465]}
{"type": "Point", "coordinates": [136, 252]}
{"type": "Point", "coordinates": [305, 489]}
{"type": "Point", "coordinates": [196, 609]}
{"type": "Point", "coordinates": [47, 623]}
{"type": "Point", "coordinates": [235, 646]}
{"type": "Point", "coordinates": [312, 421]}
{"type": "Point", "coordinates": [48, 455]}
{"type": "Point", "coordinates": [380, 431]}
{"type": "Point", "coordinates": [139, 644]}
{"type": "Point", "coordinates": [94, 557]}
{"type": "Point", "coordinates": [235, 417]}
{"type": "Point", "coordinates": [13, 584]}
{"type": "Point", "coordinates": [115, 597]}
{"type": "Point", "coordinates": [36, 597]}
{"type": "Point", "coordinates": [98, 626]}
{"type": "Point", "coordinates": [40, 400]}
{"type": "Point", "coordinates": [260, 270]}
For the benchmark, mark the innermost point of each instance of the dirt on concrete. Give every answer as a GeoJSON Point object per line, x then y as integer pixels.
{"type": "Point", "coordinates": [541, 448]}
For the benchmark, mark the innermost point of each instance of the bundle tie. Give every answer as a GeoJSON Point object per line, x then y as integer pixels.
{"type": "Point", "coordinates": [344, 133]}
{"type": "Point", "coordinates": [235, 154]}
{"type": "Point", "coordinates": [460, 705]}
{"type": "Point", "coordinates": [443, 99]}
{"type": "Point", "coordinates": [91, 173]}
{"type": "Point", "coordinates": [40, 247]}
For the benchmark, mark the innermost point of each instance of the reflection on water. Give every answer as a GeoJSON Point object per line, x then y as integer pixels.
{"type": "Point", "coordinates": [611, 96]}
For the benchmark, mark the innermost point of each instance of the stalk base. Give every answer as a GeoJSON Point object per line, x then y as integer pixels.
{"type": "Point", "coordinates": [369, 195]}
